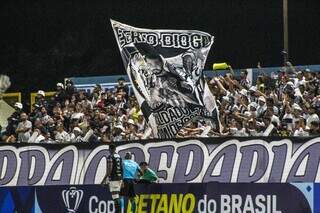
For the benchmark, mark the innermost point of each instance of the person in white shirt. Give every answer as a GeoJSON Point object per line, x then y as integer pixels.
{"type": "Point", "coordinates": [24, 128]}
{"type": "Point", "coordinates": [300, 128]}
{"type": "Point", "coordinates": [261, 106]}
{"type": "Point", "coordinates": [61, 135]}
{"type": "Point", "coordinates": [36, 136]}
{"type": "Point", "coordinates": [76, 135]}
{"type": "Point", "coordinates": [141, 123]}
{"type": "Point", "coordinates": [313, 117]}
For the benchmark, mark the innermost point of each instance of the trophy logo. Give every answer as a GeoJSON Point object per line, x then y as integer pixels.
{"type": "Point", "coordinates": [72, 199]}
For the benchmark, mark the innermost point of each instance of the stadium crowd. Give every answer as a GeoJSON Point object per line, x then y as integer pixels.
{"type": "Point", "coordinates": [286, 103]}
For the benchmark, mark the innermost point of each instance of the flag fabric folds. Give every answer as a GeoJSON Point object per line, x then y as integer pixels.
{"type": "Point", "coordinates": [165, 69]}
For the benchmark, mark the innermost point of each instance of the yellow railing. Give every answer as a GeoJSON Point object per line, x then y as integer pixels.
{"type": "Point", "coordinates": [12, 97]}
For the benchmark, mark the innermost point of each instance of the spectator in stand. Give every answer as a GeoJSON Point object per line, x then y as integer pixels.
{"type": "Point", "coordinates": [61, 136]}
{"type": "Point", "coordinates": [314, 128]}
{"type": "Point", "coordinates": [70, 89]}
{"type": "Point", "coordinates": [141, 123]}
{"type": "Point", "coordinates": [60, 95]}
{"type": "Point", "coordinates": [40, 100]}
{"type": "Point", "coordinates": [122, 88]}
{"type": "Point", "coordinates": [76, 135]}
{"type": "Point", "coordinates": [287, 103]}
{"type": "Point", "coordinates": [14, 119]}
{"type": "Point", "coordinates": [118, 133]}
{"type": "Point", "coordinates": [24, 128]}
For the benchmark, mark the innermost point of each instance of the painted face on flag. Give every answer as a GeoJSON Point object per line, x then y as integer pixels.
{"type": "Point", "coordinates": [188, 63]}
{"type": "Point", "coordinates": [165, 68]}
{"type": "Point", "coordinates": [155, 64]}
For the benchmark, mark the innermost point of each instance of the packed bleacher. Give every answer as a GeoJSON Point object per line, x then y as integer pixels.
{"type": "Point", "coordinates": [284, 104]}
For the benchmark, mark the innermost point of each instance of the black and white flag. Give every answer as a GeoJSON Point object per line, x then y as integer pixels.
{"type": "Point", "coordinates": [165, 69]}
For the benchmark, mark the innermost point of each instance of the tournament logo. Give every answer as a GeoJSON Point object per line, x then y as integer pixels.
{"type": "Point", "coordinates": [72, 199]}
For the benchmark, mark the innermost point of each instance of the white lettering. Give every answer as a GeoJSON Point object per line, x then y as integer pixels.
{"type": "Point", "coordinates": [225, 203]}
{"type": "Point", "coordinates": [259, 202]}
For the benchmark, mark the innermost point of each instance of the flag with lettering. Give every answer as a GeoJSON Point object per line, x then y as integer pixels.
{"type": "Point", "coordinates": [165, 69]}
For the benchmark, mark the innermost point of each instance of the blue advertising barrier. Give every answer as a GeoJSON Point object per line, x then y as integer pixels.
{"type": "Point", "coordinates": [200, 160]}
{"type": "Point", "coordinates": [192, 197]}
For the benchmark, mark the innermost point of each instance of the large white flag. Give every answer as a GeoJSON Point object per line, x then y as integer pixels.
{"type": "Point", "coordinates": [165, 69]}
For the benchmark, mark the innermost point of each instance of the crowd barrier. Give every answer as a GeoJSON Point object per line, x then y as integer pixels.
{"type": "Point", "coordinates": [174, 198]}
{"type": "Point", "coordinates": [228, 160]}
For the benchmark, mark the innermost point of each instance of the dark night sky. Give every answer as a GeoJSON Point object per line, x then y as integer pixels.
{"type": "Point", "coordinates": [44, 41]}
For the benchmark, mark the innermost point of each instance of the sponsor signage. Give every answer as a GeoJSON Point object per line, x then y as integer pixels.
{"type": "Point", "coordinates": [177, 161]}
{"type": "Point", "coordinates": [187, 197]}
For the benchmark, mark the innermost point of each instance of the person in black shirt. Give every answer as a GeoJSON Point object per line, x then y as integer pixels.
{"type": "Point", "coordinates": [14, 119]}
{"type": "Point", "coordinates": [60, 95]}
{"type": "Point", "coordinates": [114, 176]}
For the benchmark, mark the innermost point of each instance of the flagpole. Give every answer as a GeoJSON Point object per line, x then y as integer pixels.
{"type": "Point", "coordinates": [285, 31]}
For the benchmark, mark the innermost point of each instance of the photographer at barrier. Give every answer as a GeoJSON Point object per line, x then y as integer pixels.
{"type": "Point", "coordinates": [149, 176]}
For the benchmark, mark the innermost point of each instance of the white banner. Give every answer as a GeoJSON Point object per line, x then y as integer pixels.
{"type": "Point", "coordinates": [165, 68]}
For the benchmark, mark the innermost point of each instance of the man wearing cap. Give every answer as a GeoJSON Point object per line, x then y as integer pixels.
{"type": "Point", "coordinates": [76, 135]}
{"type": "Point", "coordinates": [261, 106]}
{"type": "Point", "coordinates": [40, 99]}
{"type": "Point", "coordinates": [130, 172]}
{"type": "Point", "coordinates": [132, 130]}
{"type": "Point", "coordinates": [118, 133]}
{"type": "Point", "coordinates": [60, 95]}
{"type": "Point", "coordinates": [114, 176]}
{"type": "Point", "coordinates": [252, 94]}
{"type": "Point", "coordinates": [14, 119]}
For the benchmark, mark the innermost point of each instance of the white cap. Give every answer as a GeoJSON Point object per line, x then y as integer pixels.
{"type": "Point", "coordinates": [290, 83]}
{"type": "Point", "coordinates": [312, 118]}
{"type": "Point", "coordinates": [302, 82]}
{"type": "Point", "coordinates": [261, 98]}
{"type": "Point", "coordinates": [275, 119]}
{"type": "Point", "coordinates": [296, 107]}
{"type": "Point", "coordinates": [119, 127]}
{"type": "Point", "coordinates": [235, 107]}
{"type": "Point", "coordinates": [226, 98]}
{"type": "Point", "coordinates": [244, 92]}
{"type": "Point", "coordinates": [18, 105]}
{"type": "Point", "coordinates": [60, 85]}
{"type": "Point", "coordinates": [77, 129]}
{"type": "Point", "coordinates": [287, 116]}
{"type": "Point", "coordinates": [247, 113]}
{"type": "Point", "coordinates": [253, 104]}
{"type": "Point", "coordinates": [41, 92]}
{"type": "Point", "coordinates": [253, 88]}
{"type": "Point", "coordinates": [130, 121]}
